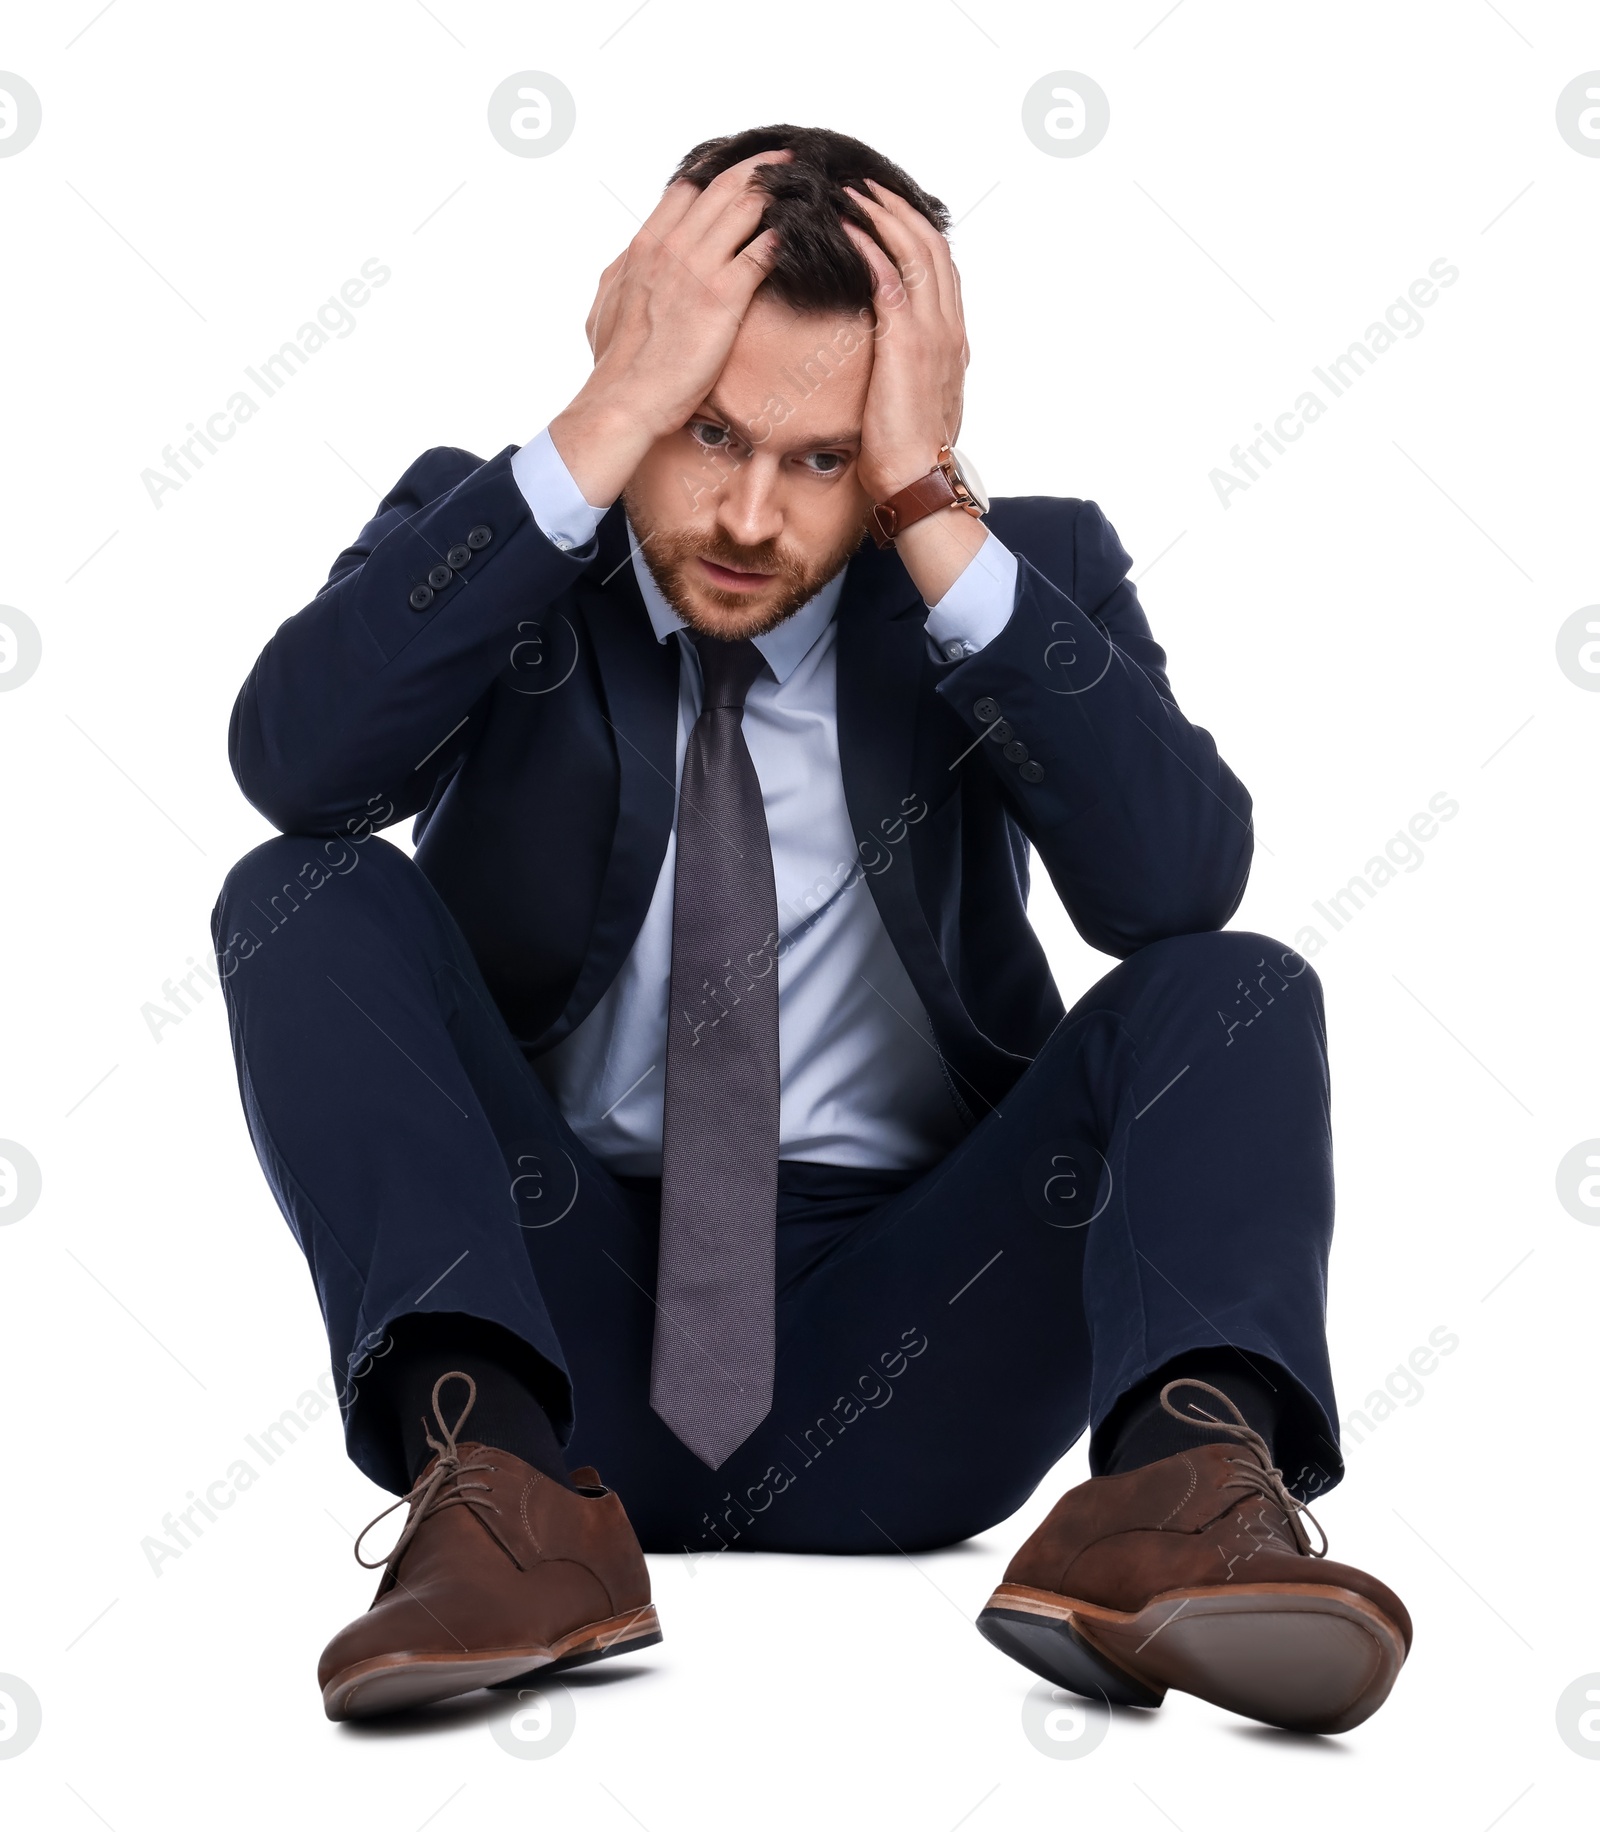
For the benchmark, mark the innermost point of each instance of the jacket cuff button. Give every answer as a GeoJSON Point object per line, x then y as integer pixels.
{"type": "Point", "coordinates": [480, 537]}
{"type": "Point", "coordinates": [458, 556]}
{"type": "Point", "coordinates": [421, 597]}
{"type": "Point", "coordinates": [1031, 771]}
{"type": "Point", "coordinates": [988, 710]}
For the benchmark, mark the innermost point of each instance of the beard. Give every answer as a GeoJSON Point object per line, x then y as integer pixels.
{"type": "Point", "coordinates": [671, 556]}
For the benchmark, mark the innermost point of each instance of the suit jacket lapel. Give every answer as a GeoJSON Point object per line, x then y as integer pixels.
{"type": "Point", "coordinates": [882, 664]}
{"type": "Point", "coordinates": [880, 650]}
{"type": "Point", "coordinates": [639, 681]}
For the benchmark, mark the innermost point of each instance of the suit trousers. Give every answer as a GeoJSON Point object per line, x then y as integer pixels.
{"type": "Point", "coordinates": [1157, 1180]}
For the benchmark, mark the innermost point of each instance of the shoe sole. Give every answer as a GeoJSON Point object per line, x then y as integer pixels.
{"type": "Point", "coordinates": [399, 1682]}
{"type": "Point", "coordinates": [1306, 1657]}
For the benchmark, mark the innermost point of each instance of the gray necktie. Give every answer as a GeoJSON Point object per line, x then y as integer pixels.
{"type": "Point", "coordinates": [711, 1373]}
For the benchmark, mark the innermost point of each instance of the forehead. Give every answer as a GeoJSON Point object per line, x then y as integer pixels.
{"type": "Point", "coordinates": [803, 374]}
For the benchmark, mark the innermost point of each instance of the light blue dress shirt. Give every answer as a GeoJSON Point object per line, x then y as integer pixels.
{"type": "Point", "coordinates": [861, 1080]}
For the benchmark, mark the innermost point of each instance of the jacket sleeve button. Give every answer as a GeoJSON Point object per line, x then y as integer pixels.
{"type": "Point", "coordinates": [440, 577]}
{"type": "Point", "coordinates": [988, 710]}
{"type": "Point", "coordinates": [480, 537]}
{"type": "Point", "coordinates": [458, 556]}
{"type": "Point", "coordinates": [1001, 731]}
{"type": "Point", "coordinates": [1015, 752]}
{"type": "Point", "coordinates": [420, 598]}
{"type": "Point", "coordinates": [1031, 771]}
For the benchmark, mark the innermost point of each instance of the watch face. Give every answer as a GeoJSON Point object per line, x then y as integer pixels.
{"type": "Point", "coordinates": [970, 480]}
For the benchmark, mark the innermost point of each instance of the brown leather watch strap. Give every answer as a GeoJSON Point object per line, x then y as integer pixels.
{"type": "Point", "coordinates": [909, 505]}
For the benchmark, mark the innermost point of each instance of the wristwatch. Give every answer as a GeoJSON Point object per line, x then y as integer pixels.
{"type": "Point", "coordinates": [951, 484]}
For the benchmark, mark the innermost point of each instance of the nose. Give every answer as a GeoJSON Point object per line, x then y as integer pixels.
{"type": "Point", "coordinates": [749, 512]}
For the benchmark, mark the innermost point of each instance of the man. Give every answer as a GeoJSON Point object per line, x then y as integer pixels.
{"type": "Point", "coordinates": [698, 1104]}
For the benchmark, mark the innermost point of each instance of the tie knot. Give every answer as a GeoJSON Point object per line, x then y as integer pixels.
{"type": "Point", "coordinates": [728, 668]}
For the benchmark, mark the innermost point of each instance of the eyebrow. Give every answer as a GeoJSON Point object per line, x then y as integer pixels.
{"type": "Point", "coordinates": [710, 405]}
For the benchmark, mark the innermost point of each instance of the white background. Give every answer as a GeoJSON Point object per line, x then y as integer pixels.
{"type": "Point", "coordinates": [1373, 622]}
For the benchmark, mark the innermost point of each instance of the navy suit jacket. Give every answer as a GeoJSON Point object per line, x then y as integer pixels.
{"type": "Point", "coordinates": [527, 715]}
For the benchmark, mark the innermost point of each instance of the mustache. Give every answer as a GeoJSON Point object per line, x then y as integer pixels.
{"type": "Point", "coordinates": [765, 559]}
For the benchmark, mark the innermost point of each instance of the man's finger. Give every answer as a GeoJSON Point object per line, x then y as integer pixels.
{"type": "Point", "coordinates": [935, 249]}
{"type": "Point", "coordinates": [961, 310]}
{"type": "Point", "coordinates": [888, 289]}
{"type": "Point", "coordinates": [710, 224]}
{"type": "Point", "coordinates": [913, 242]}
{"type": "Point", "coordinates": [910, 260]}
{"type": "Point", "coordinates": [931, 239]}
{"type": "Point", "coordinates": [734, 188]}
{"type": "Point", "coordinates": [671, 207]}
{"type": "Point", "coordinates": [760, 256]}
{"type": "Point", "coordinates": [710, 246]}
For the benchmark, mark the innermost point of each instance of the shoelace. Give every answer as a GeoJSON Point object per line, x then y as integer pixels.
{"type": "Point", "coordinates": [441, 1486]}
{"type": "Point", "coordinates": [1262, 1477]}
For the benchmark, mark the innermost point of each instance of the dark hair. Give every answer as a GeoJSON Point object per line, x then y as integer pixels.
{"type": "Point", "coordinates": [818, 269]}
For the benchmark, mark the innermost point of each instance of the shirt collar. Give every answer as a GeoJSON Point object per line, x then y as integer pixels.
{"type": "Point", "coordinates": [784, 648]}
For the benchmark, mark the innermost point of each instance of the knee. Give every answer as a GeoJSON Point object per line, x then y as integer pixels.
{"type": "Point", "coordinates": [278, 877]}
{"type": "Point", "coordinates": [1222, 959]}
{"type": "Point", "coordinates": [289, 864]}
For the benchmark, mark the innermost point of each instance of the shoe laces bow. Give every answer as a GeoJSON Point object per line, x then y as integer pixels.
{"type": "Point", "coordinates": [440, 1486]}
{"type": "Point", "coordinates": [1258, 1475]}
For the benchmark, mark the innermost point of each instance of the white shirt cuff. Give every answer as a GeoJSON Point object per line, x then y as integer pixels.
{"type": "Point", "coordinates": [552, 493]}
{"type": "Point", "coordinates": [978, 605]}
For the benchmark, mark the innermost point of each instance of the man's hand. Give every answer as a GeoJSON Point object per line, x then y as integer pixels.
{"type": "Point", "coordinates": [920, 352]}
{"type": "Point", "coordinates": [919, 364]}
{"type": "Point", "coordinates": [663, 321]}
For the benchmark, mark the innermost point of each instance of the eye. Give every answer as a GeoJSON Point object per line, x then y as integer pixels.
{"type": "Point", "coordinates": [698, 429]}
{"type": "Point", "coordinates": [832, 462]}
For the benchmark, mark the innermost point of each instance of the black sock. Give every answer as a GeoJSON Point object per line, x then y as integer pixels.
{"type": "Point", "coordinates": [504, 1412]}
{"type": "Point", "coordinates": [1139, 1429]}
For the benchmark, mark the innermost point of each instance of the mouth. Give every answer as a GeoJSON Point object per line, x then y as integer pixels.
{"type": "Point", "coordinates": [733, 578]}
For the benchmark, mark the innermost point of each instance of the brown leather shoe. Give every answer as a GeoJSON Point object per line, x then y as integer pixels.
{"type": "Point", "coordinates": [1197, 1572]}
{"type": "Point", "coordinates": [498, 1571]}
